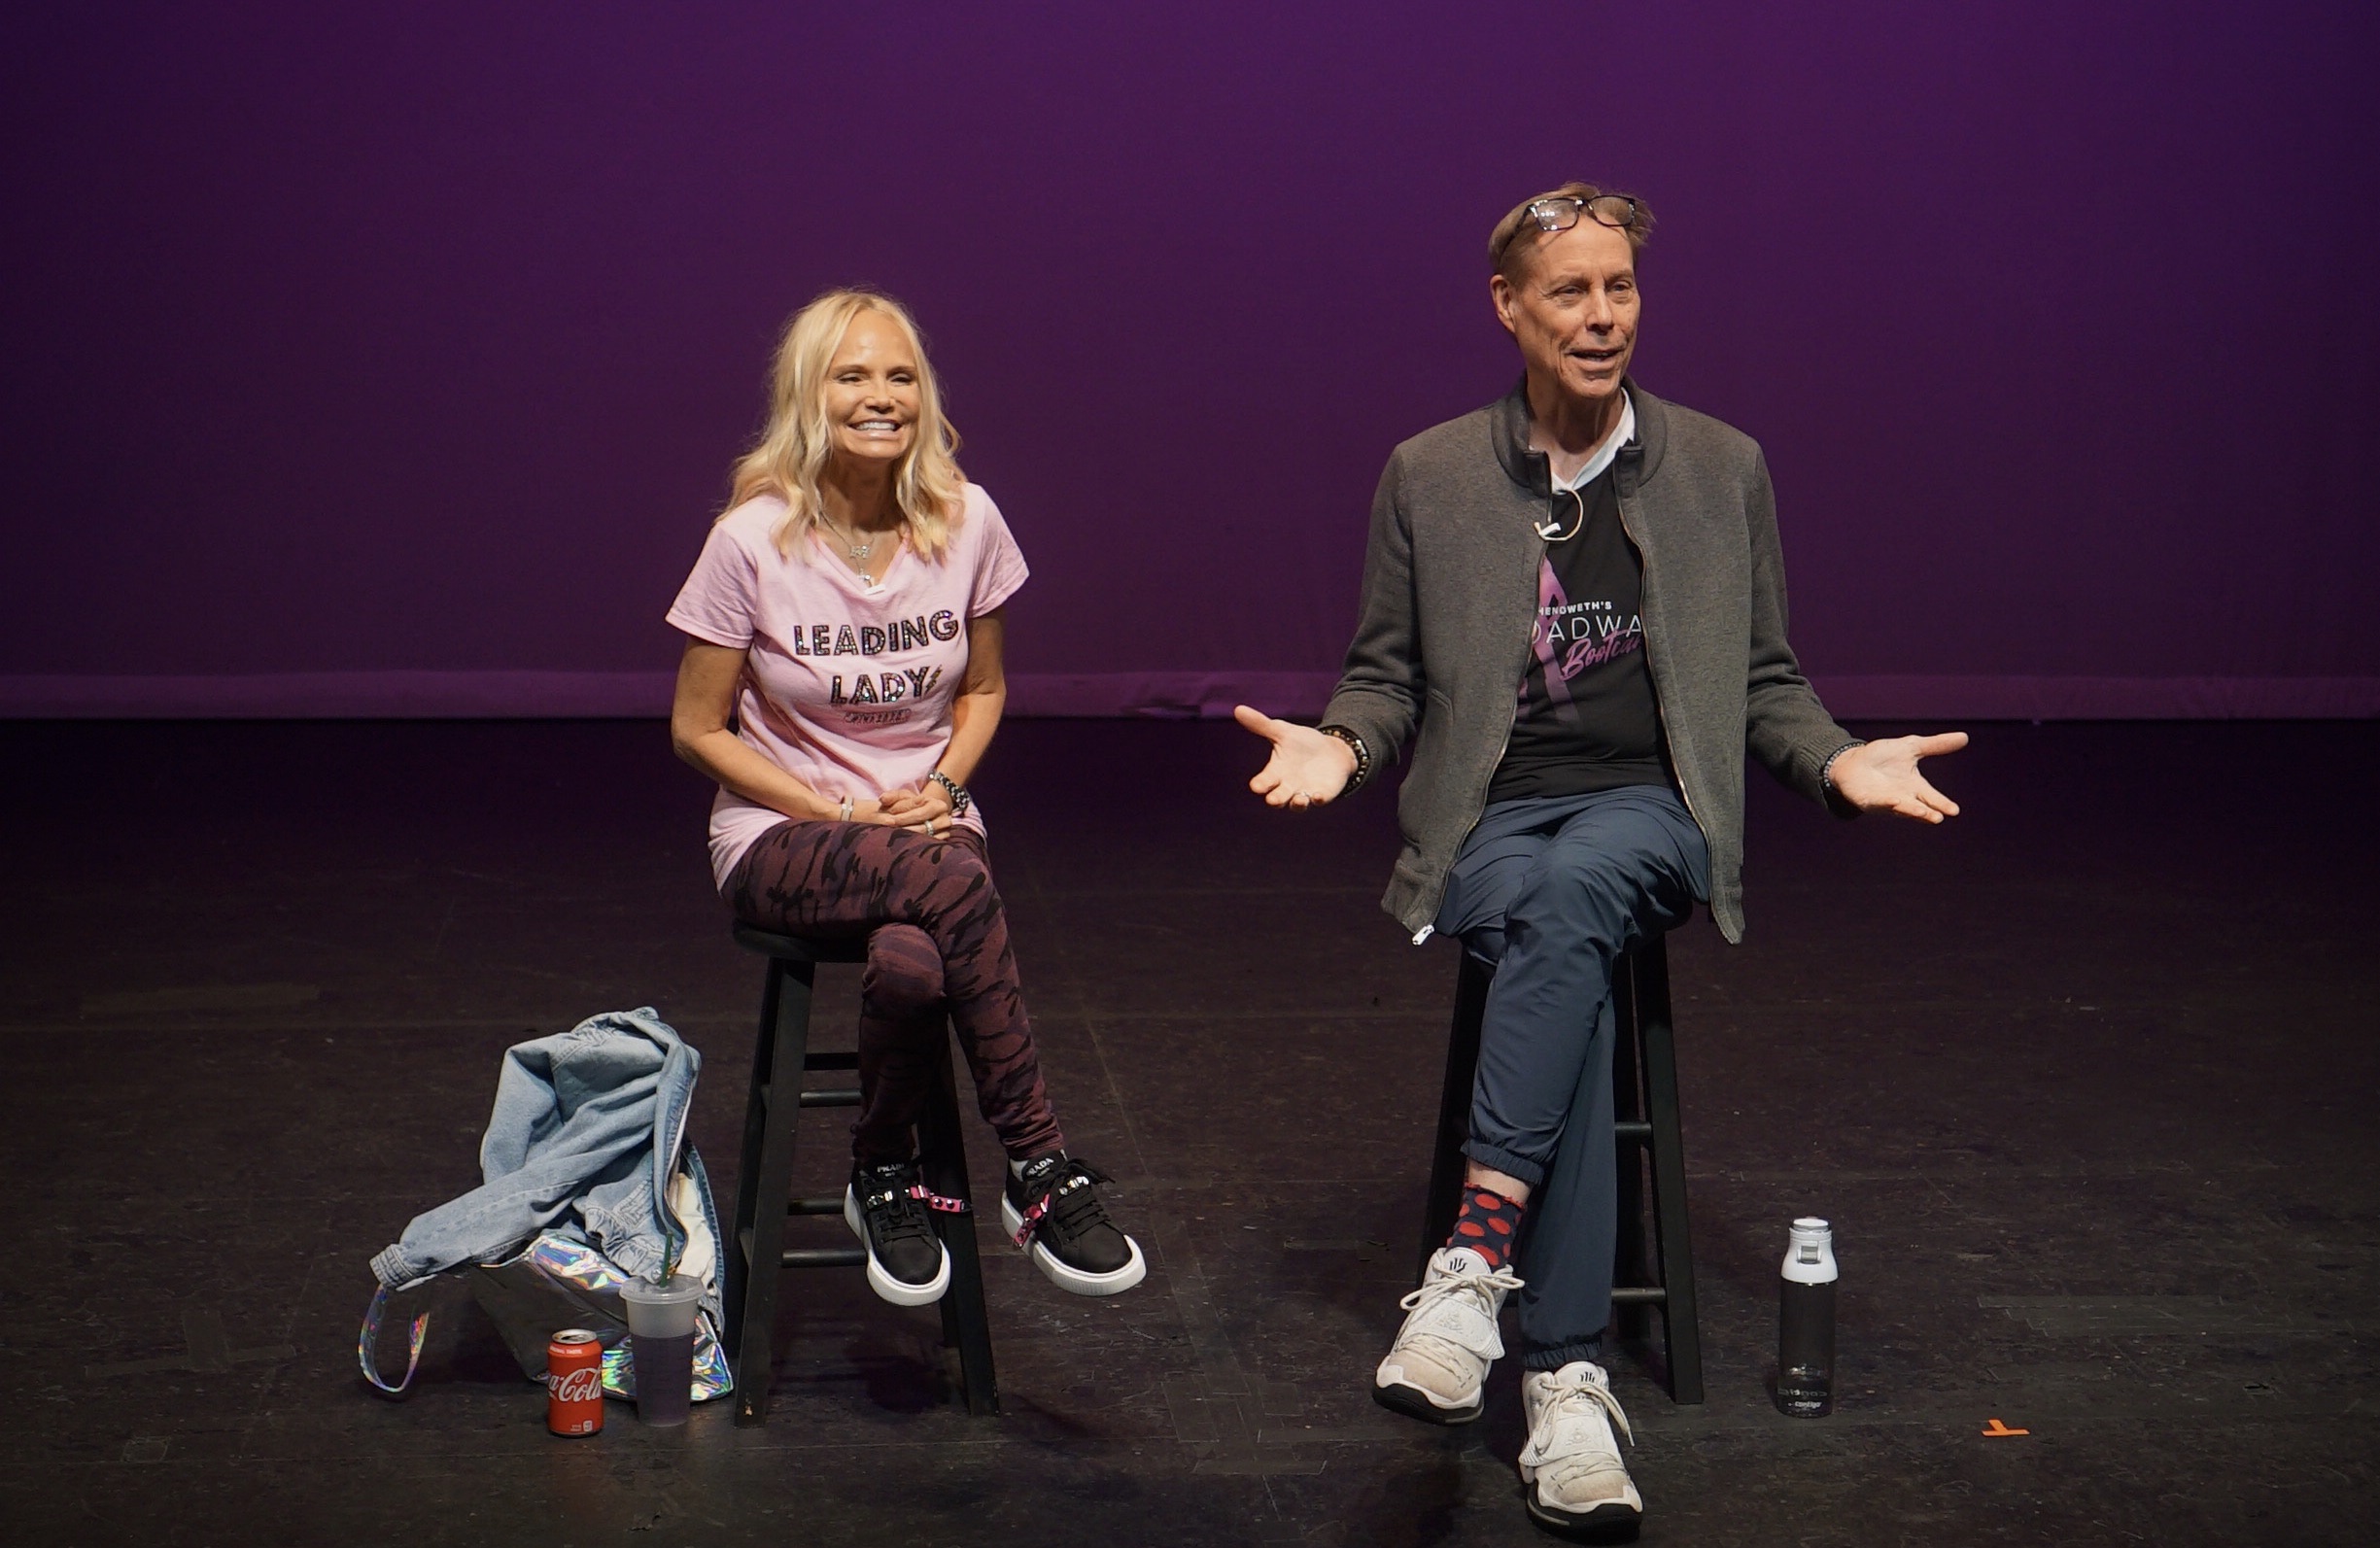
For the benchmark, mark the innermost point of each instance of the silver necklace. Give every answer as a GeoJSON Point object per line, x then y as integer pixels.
{"type": "Point", "coordinates": [858, 550]}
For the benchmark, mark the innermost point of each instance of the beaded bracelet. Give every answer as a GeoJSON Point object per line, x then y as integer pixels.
{"type": "Point", "coordinates": [1363, 755]}
{"type": "Point", "coordinates": [1826, 769]}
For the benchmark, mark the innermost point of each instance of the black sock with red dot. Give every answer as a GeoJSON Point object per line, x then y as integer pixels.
{"type": "Point", "coordinates": [1487, 1225]}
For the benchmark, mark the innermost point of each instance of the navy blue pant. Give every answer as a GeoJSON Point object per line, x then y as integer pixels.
{"type": "Point", "coordinates": [1550, 892]}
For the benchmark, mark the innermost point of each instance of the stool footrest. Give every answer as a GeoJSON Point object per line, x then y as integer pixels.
{"type": "Point", "coordinates": [1654, 1262]}
{"type": "Point", "coordinates": [776, 1105]}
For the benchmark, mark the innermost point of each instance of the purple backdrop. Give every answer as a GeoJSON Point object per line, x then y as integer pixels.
{"type": "Point", "coordinates": [392, 362]}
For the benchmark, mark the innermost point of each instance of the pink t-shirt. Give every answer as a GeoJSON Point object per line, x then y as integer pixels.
{"type": "Point", "coordinates": [847, 686]}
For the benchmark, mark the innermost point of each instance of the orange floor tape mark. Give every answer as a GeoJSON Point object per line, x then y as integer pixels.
{"type": "Point", "coordinates": [1995, 1429]}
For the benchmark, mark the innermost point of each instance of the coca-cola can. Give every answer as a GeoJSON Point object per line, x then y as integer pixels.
{"type": "Point", "coordinates": [574, 1382]}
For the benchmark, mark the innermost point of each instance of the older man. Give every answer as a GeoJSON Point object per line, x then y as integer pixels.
{"type": "Point", "coordinates": [1576, 596]}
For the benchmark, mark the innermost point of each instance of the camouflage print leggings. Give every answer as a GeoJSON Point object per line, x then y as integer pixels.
{"type": "Point", "coordinates": [937, 940]}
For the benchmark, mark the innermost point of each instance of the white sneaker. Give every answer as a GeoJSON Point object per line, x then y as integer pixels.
{"type": "Point", "coordinates": [1571, 1463]}
{"type": "Point", "coordinates": [1443, 1353]}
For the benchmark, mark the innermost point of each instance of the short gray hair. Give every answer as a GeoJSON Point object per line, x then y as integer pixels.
{"type": "Point", "coordinates": [1505, 244]}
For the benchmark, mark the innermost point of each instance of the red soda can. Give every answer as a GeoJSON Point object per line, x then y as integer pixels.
{"type": "Point", "coordinates": [574, 1382]}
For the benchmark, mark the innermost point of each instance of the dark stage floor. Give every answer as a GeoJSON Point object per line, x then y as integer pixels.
{"type": "Point", "coordinates": [2086, 1081]}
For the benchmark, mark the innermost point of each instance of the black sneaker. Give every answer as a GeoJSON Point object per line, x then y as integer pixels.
{"type": "Point", "coordinates": [885, 1208]}
{"type": "Point", "coordinates": [1055, 1207]}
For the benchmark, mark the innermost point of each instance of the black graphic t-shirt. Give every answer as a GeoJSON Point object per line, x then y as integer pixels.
{"type": "Point", "coordinates": [1587, 719]}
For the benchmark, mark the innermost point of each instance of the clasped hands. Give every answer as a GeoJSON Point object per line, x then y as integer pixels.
{"type": "Point", "coordinates": [1308, 769]}
{"type": "Point", "coordinates": [926, 810]}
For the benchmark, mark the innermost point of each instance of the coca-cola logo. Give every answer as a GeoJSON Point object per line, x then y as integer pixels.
{"type": "Point", "coordinates": [576, 1387]}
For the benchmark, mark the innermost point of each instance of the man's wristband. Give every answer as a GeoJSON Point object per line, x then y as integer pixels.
{"type": "Point", "coordinates": [1363, 755]}
{"type": "Point", "coordinates": [1826, 776]}
{"type": "Point", "coordinates": [961, 801]}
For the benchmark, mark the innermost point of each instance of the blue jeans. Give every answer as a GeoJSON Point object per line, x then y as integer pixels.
{"type": "Point", "coordinates": [1550, 891]}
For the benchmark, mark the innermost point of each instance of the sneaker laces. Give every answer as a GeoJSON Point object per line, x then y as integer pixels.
{"type": "Point", "coordinates": [1557, 1446]}
{"type": "Point", "coordinates": [891, 1207]}
{"type": "Point", "coordinates": [1479, 1289]}
{"type": "Point", "coordinates": [1068, 1207]}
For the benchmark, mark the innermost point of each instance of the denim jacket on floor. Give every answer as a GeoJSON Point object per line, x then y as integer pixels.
{"type": "Point", "coordinates": [582, 1143]}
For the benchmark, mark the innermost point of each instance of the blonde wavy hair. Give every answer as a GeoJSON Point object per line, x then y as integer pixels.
{"type": "Point", "coordinates": [927, 486]}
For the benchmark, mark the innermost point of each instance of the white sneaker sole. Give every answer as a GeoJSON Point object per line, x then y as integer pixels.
{"type": "Point", "coordinates": [1419, 1403]}
{"type": "Point", "coordinates": [887, 1287]}
{"type": "Point", "coordinates": [1073, 1280]}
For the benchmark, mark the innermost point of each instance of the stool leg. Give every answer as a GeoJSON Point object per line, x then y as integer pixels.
{"type": "Point", "coordinates": [942, 1162]}
{"type": "Point", "coordinates": [764, 1182]}
{"type": "Point", "coordinates": [1447, 1160]}
{"type": "Point", "coordinates": [1681, 1331]}
{"type": "Point", "coordinates": [1632, 1259]}
{"type": "Point", "coordinates": [748, 1163]}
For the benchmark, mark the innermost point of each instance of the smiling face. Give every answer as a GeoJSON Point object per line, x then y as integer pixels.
{"type": "Point", "coordinates": [1572, 309]}
{"type": "Point", "coordinates": [873, 393]}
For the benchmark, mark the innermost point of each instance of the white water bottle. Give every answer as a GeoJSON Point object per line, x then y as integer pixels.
{"type": "Point", "coordinates": [1806, 1321]}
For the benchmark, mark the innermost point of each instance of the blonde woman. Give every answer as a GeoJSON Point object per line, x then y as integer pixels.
{"type": "Point", "coordinates": [842, 680]}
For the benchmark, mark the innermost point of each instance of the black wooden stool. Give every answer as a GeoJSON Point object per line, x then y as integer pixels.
{"type": "Point", "coordinates": [764, 1182]}
{"type": "Point", "coordinates": [1656, 1261]}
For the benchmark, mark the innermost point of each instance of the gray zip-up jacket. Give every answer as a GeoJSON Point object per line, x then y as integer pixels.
{"type": "Point", "coordinates": [1450, 596]}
